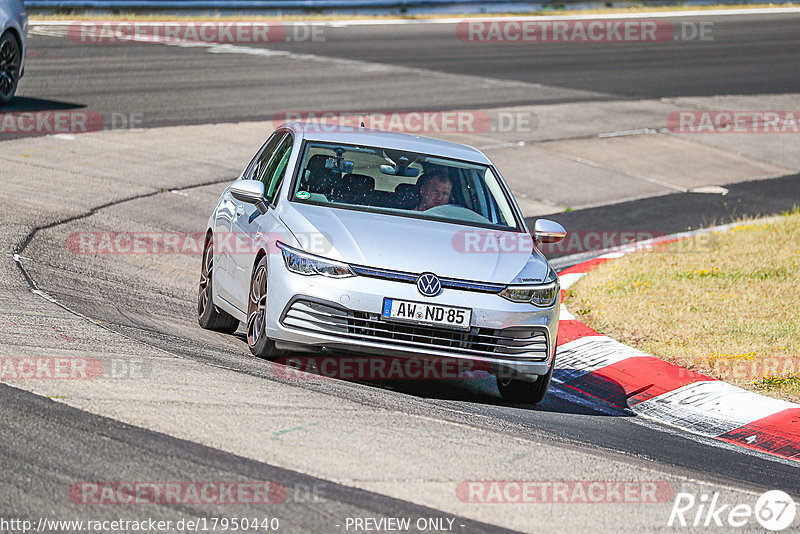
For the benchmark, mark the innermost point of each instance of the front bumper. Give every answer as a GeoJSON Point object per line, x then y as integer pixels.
{"type": "Point", "coordinates": [345, 315]}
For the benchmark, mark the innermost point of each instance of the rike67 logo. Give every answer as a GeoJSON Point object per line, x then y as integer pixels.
{"type": "Point", "coordinates": [774, 510]}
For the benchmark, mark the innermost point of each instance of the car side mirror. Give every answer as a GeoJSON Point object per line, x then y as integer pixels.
{"type": "Point", "coordinates": [250, 191]}
{"type": "Point", "coordinates": [547, 231]}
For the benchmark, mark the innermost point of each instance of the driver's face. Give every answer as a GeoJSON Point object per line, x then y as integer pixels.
{"type": "Point", "coordinates": [434, 193]}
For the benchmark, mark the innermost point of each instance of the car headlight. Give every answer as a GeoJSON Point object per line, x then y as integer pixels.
{"type": "Point", "coordinates": [542, 295]}
{"type": "Point", "coordinates": [309, 265]}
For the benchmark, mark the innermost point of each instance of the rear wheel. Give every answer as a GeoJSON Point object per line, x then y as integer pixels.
{"type": "Point", "coordinates": [10, 62]}
{"type": "Point", "coordinates": [516, 390]}
{"type": "Point", "coordinates": [260, 345]}
{"type": "Point", "coordinates": [208, 315]}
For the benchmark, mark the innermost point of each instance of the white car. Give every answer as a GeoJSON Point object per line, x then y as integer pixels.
{"type": "Point", "coordinates": [13, 34]}
{"type": "Point", "coordinates": [383, 244]}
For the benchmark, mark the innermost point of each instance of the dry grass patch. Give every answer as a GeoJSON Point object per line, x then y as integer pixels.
{"type": "Point", "coordinates": [725, 304]}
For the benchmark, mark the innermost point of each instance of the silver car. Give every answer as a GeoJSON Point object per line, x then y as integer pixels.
{"type": "Point", "coordinates": [350, 240]}
{"type": "Point", "coordinates": [13, 33]}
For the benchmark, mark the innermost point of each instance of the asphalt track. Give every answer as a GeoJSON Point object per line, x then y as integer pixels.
{"type": "Point", "coordinates": [681, 212]}
{"type": "Point", "coordinates": [47, 445]}
{"type": "Point", "coordinates": [169, 325]}
{"type": "Point", "coordinates": [170, 85]}
{"type": "Point", "coordinates": [85, 447]}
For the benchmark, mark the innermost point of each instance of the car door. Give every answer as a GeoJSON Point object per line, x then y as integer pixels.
{"type": "Point", "coordinates": [250, 227]}
{"type": "Point", "coordinates": [226, 240]}
{"type": "Point", "coordinates": [223, 221]}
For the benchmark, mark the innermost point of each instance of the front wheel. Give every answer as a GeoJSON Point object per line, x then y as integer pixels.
{"type": "Point", "coordinates": [523, 391]}
{"type": "Point", "coordinates": [10, 63]}
{"type": "Point", "coordinates": [258, 342]}
{"type": "Point", "coordinates": [208, 315]}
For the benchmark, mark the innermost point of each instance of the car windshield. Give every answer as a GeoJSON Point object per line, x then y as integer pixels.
{"type": "Point", "coordinates": [402, 183]}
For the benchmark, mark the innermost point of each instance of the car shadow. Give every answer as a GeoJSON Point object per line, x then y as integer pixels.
{"type": "Point", "coordinates": [22, 103]}
{"type": "Point", "coordinates": [477, 387]}
{"type": "Point", "coordinates": [482, 389]}
{"type": "Point", "coordinates": [33, 117]}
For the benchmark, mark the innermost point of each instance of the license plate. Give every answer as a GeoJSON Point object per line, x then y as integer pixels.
{"type": "Point", "coordinates": [426, 314]}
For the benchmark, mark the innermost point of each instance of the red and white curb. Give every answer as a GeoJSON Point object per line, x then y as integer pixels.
{"type": "Point", "coordinates": [593, 364]}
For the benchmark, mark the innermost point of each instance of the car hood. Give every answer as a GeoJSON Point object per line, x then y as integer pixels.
{"type": "Point", "coordinates": [415, 245]}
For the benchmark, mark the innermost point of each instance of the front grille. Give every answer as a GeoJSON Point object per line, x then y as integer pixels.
{"type": "Point", "coordinates": [411, 278]}
{"type": "Point", "coordinates": [515, 344]}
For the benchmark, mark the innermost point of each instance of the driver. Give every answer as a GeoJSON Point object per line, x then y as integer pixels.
{"type": "Point", "coordinates": [434, 190]}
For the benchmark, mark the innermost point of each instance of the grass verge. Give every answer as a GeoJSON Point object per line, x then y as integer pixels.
{"type": "Point", "coordinates": [321, 17]}
{"type": "Point", "coordinates": [725, 304]}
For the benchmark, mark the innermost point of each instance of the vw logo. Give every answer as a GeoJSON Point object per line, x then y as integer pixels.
{"type": "Point", "coordinates": [429, 285]}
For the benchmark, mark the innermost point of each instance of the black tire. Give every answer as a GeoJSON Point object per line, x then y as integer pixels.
{"type": "Point", "coordinates": [208, 315]}
{"type": "Point", "coordinates": [258, 342]}
{"type": "Point", "coordinates": [523, 391]}
{"type": "Point", "coordinates": [10, 63]}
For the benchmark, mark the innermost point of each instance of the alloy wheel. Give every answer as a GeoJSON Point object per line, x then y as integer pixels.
{"type": "Point", "coordinates": [257, 306]}
{"type": "Point", "coordinates": [10, 59]}
{"type": "Point", "coordinates": [204, 292]}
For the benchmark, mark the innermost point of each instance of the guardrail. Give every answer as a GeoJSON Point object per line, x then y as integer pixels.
{"type": "Point", "coordinates": [367, 6]}
{"type": "Point", "coordinates": [278, 4]}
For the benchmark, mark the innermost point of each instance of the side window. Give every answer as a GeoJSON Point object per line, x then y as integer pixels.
{"type": "Point", "coordinates": [273, 174]}
{"type": "Point", "coordinates": [258, 163]}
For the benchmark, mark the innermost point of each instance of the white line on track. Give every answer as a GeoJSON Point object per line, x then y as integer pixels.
{"type": "Point", "coordinates": [626, 133]}
{"type": "Point", "coordinates": [60, 29]}
{"type": "Point", "coordinates": [519, 18]}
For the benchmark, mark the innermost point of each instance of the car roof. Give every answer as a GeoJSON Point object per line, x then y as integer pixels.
{"type": "Point", "coordinates": [352, 135]}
